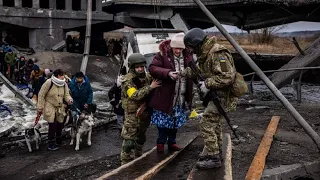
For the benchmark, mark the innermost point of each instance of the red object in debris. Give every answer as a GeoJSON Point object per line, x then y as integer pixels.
{"type": "Point", "coordinates": [37, 118]}
{"type": "Point", "coordinates": [98, 59]}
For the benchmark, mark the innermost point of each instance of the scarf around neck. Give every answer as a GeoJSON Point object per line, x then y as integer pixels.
{"type": "Point", "coordinates": [57, 81]}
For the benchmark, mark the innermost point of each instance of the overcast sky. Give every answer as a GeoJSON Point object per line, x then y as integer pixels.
{"type": "Point", "coordinates": [297, 26]}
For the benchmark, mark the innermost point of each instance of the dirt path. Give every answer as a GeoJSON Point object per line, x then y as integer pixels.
{"type": "Point", "coordinates": [291, 145]}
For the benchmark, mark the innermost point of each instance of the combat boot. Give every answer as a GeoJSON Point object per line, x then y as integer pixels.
{"type": "Point", "coordinates": [138, 150]}
{"type": "Point", "coordinates": [209, 162]}
{"type": "Point", "coordinates": [125, 158]}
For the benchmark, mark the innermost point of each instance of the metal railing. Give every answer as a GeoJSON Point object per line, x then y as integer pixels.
{"type": "Point", "coordinates": [298, 88]}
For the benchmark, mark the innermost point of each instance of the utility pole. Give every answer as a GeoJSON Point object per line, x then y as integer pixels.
{"type": "Point", "coordinates": [87, 40]}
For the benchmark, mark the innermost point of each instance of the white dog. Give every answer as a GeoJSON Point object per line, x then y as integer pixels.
{"type": "Point", "coordinates": [82, 125]}
{"type": "Point", "coordinates": [33, 134]}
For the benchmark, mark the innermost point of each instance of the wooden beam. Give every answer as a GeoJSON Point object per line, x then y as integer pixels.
{"type": "Point", "coordinates": [258, 163]}
{"type": "Point", "coordinates": [149, 163]}
{"type": "Point", "coordinates": [155, 169]}
{"type": "Point", "coordinates": [119, 169]}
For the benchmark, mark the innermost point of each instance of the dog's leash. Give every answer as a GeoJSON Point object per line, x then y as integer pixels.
{"type": "Point", "coordinates": [37, 118]}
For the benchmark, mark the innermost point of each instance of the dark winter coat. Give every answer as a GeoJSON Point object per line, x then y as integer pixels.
{"type": "Point", "coordinates": [6, 49]}
{"type": "Point", "coordinates": [162, 97]}
{"type": "Point", "coordinates": [80, 95]}
{"type": "Point", "coordinates": [10, 59]}
{"type": "Point", "coordinates": [2, 55]}
{"type": "Point", "coordinates": [115, 92]}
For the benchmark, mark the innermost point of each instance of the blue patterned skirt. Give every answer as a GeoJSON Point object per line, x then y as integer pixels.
{"type": "Point", "coordinates": [163, 120]}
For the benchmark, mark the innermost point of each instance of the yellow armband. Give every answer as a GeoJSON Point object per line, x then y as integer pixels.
{"type": "Point", "coordinates": [130, 91]}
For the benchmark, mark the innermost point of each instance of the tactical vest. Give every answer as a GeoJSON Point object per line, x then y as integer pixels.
{"type": "Point", "coordinates": [129, 105]}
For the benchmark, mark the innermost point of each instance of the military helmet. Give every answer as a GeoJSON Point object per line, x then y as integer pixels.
{"type": "Point", "coordinates": [194, 37]}
{"type": "Point", "coordinates": [136, 58]}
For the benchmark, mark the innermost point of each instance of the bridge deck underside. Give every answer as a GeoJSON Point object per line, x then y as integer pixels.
{"type": "Point", "coordinates": [245, 15]}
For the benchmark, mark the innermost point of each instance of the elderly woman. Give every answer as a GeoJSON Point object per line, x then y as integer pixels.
{"type": "Point", "coordinates": [50, 102]}
{"type": "Point", "coordinates": [175, 93]}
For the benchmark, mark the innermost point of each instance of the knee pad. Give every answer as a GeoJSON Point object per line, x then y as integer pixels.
{"type": "Point", "coordinates": [128, 145]}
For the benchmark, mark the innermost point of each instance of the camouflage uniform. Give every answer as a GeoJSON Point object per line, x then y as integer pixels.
{"type": "Point", "coordinates": [134, 93]}
{"type": "Point", "coordinates": [219, 79]}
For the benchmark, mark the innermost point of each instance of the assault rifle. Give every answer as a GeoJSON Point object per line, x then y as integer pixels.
{"type": "Point", "coordinates": [210, 96]}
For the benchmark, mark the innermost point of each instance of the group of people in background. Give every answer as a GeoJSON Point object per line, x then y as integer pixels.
{"type": "Point", "coordinates": [58, 95]}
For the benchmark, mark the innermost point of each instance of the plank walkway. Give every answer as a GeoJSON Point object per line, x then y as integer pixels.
{"type": "Point", "coordinates": [149, 163]}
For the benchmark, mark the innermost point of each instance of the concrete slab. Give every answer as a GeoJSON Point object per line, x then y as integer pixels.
{"type": "Point", "coordinates": [311, 58]}
{"type": "Point", "coordinates": [288, 172]}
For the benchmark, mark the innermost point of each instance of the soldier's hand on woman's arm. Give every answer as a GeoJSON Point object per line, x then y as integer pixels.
{"type": "Point", "coordinates": [155, 83]}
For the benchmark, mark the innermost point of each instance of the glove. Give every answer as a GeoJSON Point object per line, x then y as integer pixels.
{"type": "Point", "coordinates": [193, 114]}
{"type": "Point", "coordinates": [204, 90]}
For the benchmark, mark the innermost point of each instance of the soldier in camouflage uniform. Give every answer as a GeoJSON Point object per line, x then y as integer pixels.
{"type": "Point", "coordinates": [136, 86]}
{"type": "Point", "coordinates": [217, 66]}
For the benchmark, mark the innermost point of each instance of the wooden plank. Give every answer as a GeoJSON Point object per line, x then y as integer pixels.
{"type": "Point", "coordinates": [225, 172]}
{"type": "Point", "coordinates": [311, 58]}
{"type": "Point", "coordinates": [155, 169]}
{"type": "Point", "coordinates": [149, 163]}
{"type": "Point", "coordinates": [258, 163]}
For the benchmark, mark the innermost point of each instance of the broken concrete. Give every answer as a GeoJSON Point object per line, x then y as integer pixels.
{"type": "Point", "coordinates": [288, 172]}
{"type": "Point", "coordinates": [47, 26]}
{"type": "Point", "coordinates": [246, 15]}
{"type": "Point", "coordinates": [311, 58]}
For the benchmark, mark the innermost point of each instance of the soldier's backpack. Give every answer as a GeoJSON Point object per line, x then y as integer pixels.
{"type": "Point", "coordinates": [239, 86]}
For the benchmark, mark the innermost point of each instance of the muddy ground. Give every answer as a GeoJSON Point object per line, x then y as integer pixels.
{"type": "Point", "coordinates": [291, 145]}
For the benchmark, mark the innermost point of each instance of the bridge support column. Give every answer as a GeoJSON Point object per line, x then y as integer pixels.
{"type": "Point", "coordinates": [83, 5]}
{"type": "Point", "coordinates": [98, 5]}
{"type": "Point", "coordinates": [68, 5]}
{"type": "Point", "coordinates": [52, 4]}
{"type": "Point", "coordinates": [1, 2]}
{"type": "Point", "coordinates": [36, 4]}
{"type": "Point", "coordinates": [178, 23]}
{"type": "Point", "coordinates": [3, 35]}
{"type": "Point", "coordinates": [18, 3]}
{"type": "Point", "coordinates": [45, 39]}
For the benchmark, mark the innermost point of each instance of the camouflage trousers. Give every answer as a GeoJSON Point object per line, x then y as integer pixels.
{"type": "Point", "coordinates": [134, 135]}
{"type": "Point", "coordinates": [211, 130]}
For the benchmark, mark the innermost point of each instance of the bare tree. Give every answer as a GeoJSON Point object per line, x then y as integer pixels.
{"type": "Point", "coordinates": [265, 35]}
